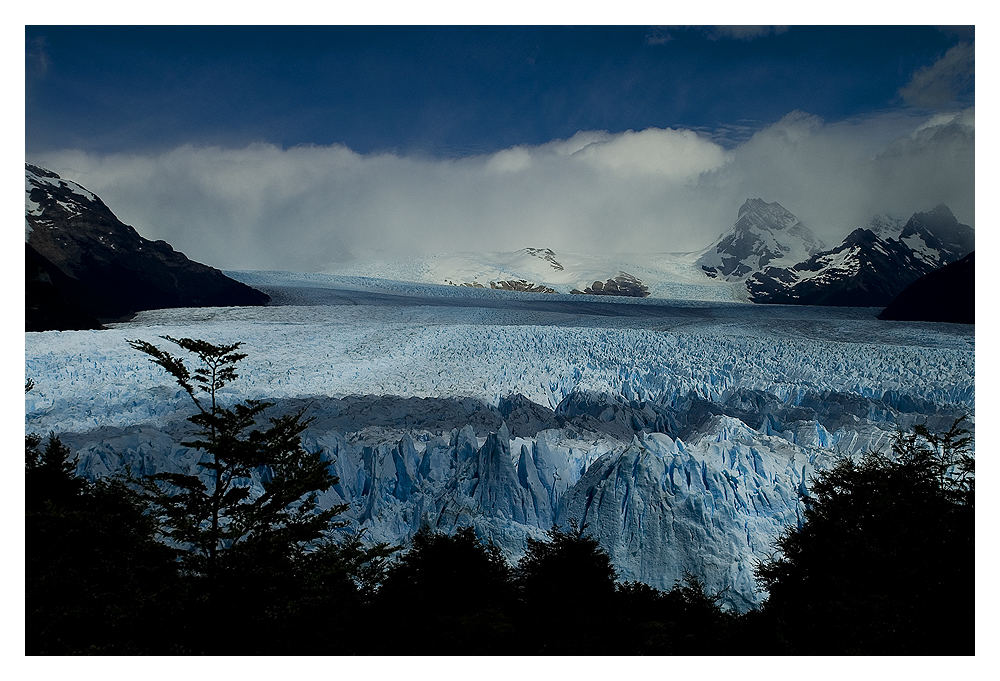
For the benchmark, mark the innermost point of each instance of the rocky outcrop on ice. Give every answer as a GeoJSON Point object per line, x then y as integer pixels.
{"type": "Point", "coordinates": [84, 264]}
{"type": "Point", "coordinates": [764, 234]}
{"type": "Point", "coordinates": [546, 254]}
{"type": "Point", "coordinates": [513, 285]}
{"type": "Point", "coordinates": [624, 284]}
{"type": "Point", "coordinates": [872, 265]}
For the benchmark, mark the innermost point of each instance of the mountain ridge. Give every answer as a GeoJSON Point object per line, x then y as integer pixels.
{"type": "Point", "coordinates": [107, 270]}
{"type": "Point", "coordinates": [871, 266]}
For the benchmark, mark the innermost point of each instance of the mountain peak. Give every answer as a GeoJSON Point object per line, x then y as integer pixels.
{"type": "Point", "coordinates": [758, 213]}
{"type": "Point", "coordinates": [763, 233]}
{"type": "Point", "coordinates": [940, 216]}
{"type": "Point", "coordinates": [751, 204]}
{"type": "Point", "coordinates": [758, 205]}
{"type": "Point", "coordinates": [940, 231]}
{"type": "Point", "coordinates": [941, 211]}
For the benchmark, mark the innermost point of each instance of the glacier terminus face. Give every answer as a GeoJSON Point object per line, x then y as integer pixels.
{"type": "Point", "coordinates": [682, 434]}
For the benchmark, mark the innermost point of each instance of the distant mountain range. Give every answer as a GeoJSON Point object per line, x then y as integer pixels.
{"type": "Point", "coordinates": [871, 266]}
{"type": "Point", "coordinates": [85, 267]}
{"type": "Point", "coordinates": [767, 256]}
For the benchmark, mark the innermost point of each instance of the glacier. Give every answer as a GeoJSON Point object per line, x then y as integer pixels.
{"type": "Point", "coordinates": [680, 433]}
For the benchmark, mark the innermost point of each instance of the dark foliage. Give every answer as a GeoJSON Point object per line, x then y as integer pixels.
{"type": "Point", "coordinates": [461, 589]}
{"type": "Point", "coordinates": [97, 582]}
{"type": "Point", "coordinates": [884, 562]}
{"type": "Point", "coordinates": [687, 620]}
{"type": "Point", "coordinates": [566, 589]}
{"type": "Point", "coordinates": [215, 514]}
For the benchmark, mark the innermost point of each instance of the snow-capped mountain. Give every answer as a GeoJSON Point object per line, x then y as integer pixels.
{"type": "Point", "coordinates": [871, 266]}
{"type": "Point", "coordinates": [84, 265]}
{"type": "Point", "coordinates": [937, 237]}
{"type": "Point", "coordinates": [764, 234]}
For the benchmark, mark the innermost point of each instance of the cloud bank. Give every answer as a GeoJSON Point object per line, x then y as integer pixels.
{"type": "Point", "coordinates": [941, 83]}
{"type": "Point", "coordinates": [303, 208]}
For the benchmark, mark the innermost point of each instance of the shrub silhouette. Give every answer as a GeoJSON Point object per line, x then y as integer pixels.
{"type": "Point", "coordinates": [215, 513]}
{"type": "Point", "coordinates": [96, 580]}
{"type": "Point", "coordinates": [566, 587]}
{"type": "Point", "coordinates": [884, 562]}
{"type": "Point", "coordinates": [460, 589]}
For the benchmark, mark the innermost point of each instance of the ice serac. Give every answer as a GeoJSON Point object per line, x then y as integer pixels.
{"type": "Point", "coordinates": [871, 267]}
{"type": "Point", "coordinates": [763, 234]}
{"type": "Point", "coordinates": [711, 507]}
{"type": "Point", "coordinates": [85, 264]}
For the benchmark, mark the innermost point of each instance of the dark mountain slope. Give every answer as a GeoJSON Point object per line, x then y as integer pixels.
{"type": "Point", "coordinates": [50, 300]}
{"type": "Point", "coordinates": [108, 271]}
{"type": "Point", "coordinates": [945, 295]}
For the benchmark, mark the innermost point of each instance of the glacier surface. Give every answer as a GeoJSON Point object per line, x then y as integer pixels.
{"type": "Point", "coordinates": [680, 433]}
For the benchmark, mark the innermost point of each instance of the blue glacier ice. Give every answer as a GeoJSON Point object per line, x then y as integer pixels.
{"type": "Point", "coordinates": [681, 434]}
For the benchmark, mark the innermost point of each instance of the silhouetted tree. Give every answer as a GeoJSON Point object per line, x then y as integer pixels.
{"type": "Point", "coordinates": [883, 563]}
{"type": "Point", "coordinates": [461, 588]}
{"type": "Point", "coordinates": [567, 588]}
{"type": "Point", "coordinates": [247, 522]}
{"type": "Point", "coordinates": [218, 512]}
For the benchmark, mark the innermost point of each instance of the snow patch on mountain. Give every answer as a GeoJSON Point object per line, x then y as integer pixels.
{"type": "Point", "coordinates": [44, 186]}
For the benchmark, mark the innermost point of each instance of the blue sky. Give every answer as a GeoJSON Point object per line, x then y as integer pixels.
{"type": "Point", "coordinates": [293, 148]}
{"type": "Point", "coordinates": [453, 91]}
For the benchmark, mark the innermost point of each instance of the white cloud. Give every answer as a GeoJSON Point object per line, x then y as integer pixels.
{"type": "Point", "coordinates": [657, 189]}
{"type": "Point", "coordinates": [674, 155]}
{"type": "Point", "coordinates": [941, 83]}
